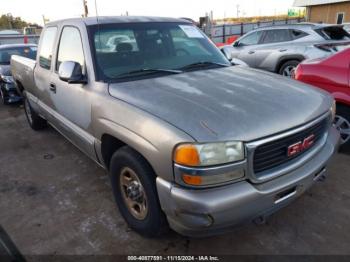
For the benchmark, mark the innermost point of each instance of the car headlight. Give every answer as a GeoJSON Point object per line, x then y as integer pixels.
{"type": "Point", "coordinates": [7, 79]}
{"type": "Point", "coordinates": [194, 162]}
{"type": "Point", "coordinates": [334, 109]}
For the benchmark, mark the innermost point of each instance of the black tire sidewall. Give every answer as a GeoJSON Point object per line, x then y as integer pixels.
{"type": "Point", "coordinates": [37, 123]}
{"type": "Point", "coordinates": [155, 222]}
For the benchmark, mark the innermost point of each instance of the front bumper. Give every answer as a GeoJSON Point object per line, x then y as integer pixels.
{"type": "Point", "coordinates": [212, 211]}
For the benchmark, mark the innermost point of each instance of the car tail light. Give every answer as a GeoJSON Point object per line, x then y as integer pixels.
{"type": "Point", "coordinates": [327, 47]}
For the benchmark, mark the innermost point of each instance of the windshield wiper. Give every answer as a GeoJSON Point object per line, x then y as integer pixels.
{"type": "Point", "coordinates": [147, 71]}
{"type": "Point", "coordinates": [202, 64]}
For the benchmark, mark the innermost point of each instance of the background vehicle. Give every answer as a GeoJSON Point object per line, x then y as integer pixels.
{"type": "Point", "coordinates": [347, 27]}
{"type": "Point", "coordinates": [8, 90]}
{"type": "Point", "coordinates": [187, 138]}
{"type": "Point", "coordinates": [280, 49]}
{"type": "Point", "coordinates": [331, 74]}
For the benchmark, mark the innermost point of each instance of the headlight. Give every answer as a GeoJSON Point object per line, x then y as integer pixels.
{"type": "Point", "coordinates": [7, 79]}
{"type": "Point", "coordinates": [334, 109]}
{"type": "Point", "coordinates": [211, 154]}
{"type": "Point", "coordinates": [209, 164]}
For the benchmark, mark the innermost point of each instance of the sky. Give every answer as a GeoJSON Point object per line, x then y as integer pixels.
{"type": "Point", "coordinates": [33, 10]}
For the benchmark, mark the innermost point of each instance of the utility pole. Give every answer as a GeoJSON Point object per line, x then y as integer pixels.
{"type": "Point", "coordinates": [86, 10]}
{"type": "Point", "coordinates": [238, 11]}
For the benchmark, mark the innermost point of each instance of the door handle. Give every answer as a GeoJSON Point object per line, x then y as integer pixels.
{"type": "Point", "coordinates": [251, 52]}
{"type": "Point", "coordinates": [283, 50]}
{"type": "Point", "coordinates": [53, 88]}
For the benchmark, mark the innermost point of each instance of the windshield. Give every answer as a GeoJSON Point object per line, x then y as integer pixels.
{"type": "Point", "coordinates": [26, 51]}
{"type": "Point", "coordinates": [141, 48]}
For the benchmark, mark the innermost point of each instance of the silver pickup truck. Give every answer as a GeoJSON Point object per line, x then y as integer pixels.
{"type": "Point", "coordinates": [189, 140]}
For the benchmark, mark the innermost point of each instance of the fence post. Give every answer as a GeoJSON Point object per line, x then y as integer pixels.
{"type": "Point", "coordinates": [224, 33]}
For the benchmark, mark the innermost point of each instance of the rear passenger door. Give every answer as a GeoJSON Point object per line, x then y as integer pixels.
{"type": "Point", "coordinates": [72, 102]}
{"type": "Point", "coordinates": [273, 45]}
{"type": "Point", "coordinates": [43, 72]}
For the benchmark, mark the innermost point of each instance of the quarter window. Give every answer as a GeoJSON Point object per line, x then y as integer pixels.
{"type": "Point", "coordinates": [276, 36]}
{"type": "Point", "coordinates": [46, 49]}
{"type": "Point", "coordinates": [296, 34]}
{"type": "Point", "coordinates": [70, 48]}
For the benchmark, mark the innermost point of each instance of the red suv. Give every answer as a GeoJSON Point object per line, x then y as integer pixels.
{"type": "Point", "coordinates": [331, 74]}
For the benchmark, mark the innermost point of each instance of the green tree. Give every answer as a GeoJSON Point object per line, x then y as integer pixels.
{"type": "Point", "coordinates": [10, 22]}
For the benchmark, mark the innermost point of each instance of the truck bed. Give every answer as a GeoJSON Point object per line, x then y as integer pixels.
{"type": "Point", "coordinates": [23, 72]}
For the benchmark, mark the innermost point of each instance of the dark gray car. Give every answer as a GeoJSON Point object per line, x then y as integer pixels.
{"type": "Point", "coordinates": [188, 140]}
{"type": "Point", "coordinates": [280, 49]}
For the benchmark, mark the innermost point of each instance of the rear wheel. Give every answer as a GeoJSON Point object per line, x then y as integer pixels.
{"type": "Point", "coordinates": [342, 123]}
{"type": "Point", "coordinates": [134, 187]}
{"type": "Point", "coordinates": [288, 67]}
{"type": "Point", "coordinates": [35, 121]}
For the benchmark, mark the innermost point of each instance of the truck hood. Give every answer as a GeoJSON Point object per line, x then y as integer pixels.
{"type": "Point", "coordinates": [233, 103]}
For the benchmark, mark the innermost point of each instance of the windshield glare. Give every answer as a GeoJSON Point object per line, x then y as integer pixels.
{"type": "Point", "coordinates": [123, 48]}
{"type": "Point", "coordinates": [5, 54]}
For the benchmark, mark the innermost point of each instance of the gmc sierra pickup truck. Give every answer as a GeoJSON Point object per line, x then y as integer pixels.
{"type": "Point", "coordinates": [189, 140]}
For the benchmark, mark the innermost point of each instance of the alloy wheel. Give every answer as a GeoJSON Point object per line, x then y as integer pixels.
{"type": "Point", "coordinates": [288, 71]}
{"type": "Point", "coordinates": [343, 125]}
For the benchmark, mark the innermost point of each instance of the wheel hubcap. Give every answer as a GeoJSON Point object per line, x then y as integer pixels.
{"type": "Point", "coordinates": [288, 71]}
{"type": "Point", "coordinates": [133, 193]}
{"type": "Point", "coordinates": [343, 125]}
{"type": "Point", "coordinates": [28, 111]}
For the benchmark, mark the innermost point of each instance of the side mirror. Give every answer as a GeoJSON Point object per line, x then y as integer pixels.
{"type": "Point", "coordinates": [71, 72]}
{"type": "Point", "coordinates": [236, 44]}
{"type": "Point", "coordinates": [227, 52]}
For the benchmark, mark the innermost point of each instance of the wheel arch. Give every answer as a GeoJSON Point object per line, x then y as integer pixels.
{"type": "Point", "coordinates": [282, 60]}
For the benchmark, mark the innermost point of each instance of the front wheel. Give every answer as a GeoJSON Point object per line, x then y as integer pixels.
{"type": "Point", "coordinates": [288, 68]}
{"type": "Point", "coordinates": [134, 187]}
{"type": "Point", "coordinates": [3, 98]}
{"type": "Point", "coordinates": [34, 120]}
{"type": "Point", "coordinates": [342, 123]}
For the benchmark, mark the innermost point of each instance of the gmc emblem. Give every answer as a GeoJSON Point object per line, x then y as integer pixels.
{"type": "Point", "coordinates": [301, 146]}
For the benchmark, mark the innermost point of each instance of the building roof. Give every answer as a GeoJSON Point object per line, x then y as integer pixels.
{"type": "Point", "coordinates": [302, 3]}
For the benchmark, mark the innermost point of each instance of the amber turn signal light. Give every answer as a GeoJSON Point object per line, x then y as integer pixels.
{"type": "Point", "coordinates": [187, 155]}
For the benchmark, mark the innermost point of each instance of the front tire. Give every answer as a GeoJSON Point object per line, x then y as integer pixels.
{"type": "Point", "coordinates": [3, 98]}
{"type": "Point", "coordinates": [34, 120]}
{"type": "Point", "coordinates": [288, 67]}
{"type": "Point", "coordinates": [342, 123]}
{"type": "Point", "coordinates": [134, 188]}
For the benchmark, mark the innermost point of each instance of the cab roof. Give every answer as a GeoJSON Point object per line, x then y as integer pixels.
{"type": "Point", "coordinates": [119, 19]}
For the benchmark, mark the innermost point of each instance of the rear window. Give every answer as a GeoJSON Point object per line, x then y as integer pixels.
{"type": "Point", "coordinates": [333, 33]}
{"type": "Point", "coordinates": [276, 36]}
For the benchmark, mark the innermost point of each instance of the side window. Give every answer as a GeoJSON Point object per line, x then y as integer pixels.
{"type": "Point", "coordinates": [70, 47]}
{"type": "Point", "coordinates": [296, 34]}
{"type": "Point", "coordinates": [46, 49]}
{"type": "Point", "coordinates": [251, 39]}
{"type": "Point", "coordinates": [276, 36]}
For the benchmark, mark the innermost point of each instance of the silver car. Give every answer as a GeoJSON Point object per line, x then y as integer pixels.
{"type": "Point", "coordinates": [280, 49]}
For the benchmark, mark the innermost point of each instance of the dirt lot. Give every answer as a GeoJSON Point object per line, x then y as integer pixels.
{"type": "Point", "coordinates": [54, 200]}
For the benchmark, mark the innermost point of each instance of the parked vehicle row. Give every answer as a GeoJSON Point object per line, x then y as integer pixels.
{"type": "Point", "coordinates": [280, 49]}
{"type": "Point", "coordinates": [332, 75]}
{"type": "Point", "coordinates": [8, 91]}
{"type": "Point", "coordinates": [189, 140]}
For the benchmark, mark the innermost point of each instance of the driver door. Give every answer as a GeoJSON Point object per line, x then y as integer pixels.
{"type": "Point", "coordinates": [245, 48]}
{"type": "Point", "coordinates": [72, 102]}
